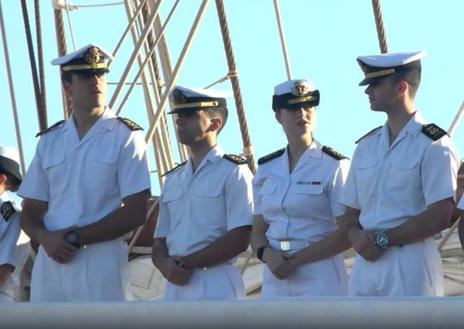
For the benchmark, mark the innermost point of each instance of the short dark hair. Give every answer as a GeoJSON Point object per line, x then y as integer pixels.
{"type": "Point", "coordinates": [66, 76]}
{"type": "Point", "coordinates": [221, 112]}
{"type": "Point", "coordinates": [11, 181]}
{"type": "Point", "coordinates": [412, 76]}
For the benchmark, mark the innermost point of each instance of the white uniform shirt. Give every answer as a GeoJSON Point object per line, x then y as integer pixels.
{"type": "Point", "coordinates": [301, 205]}
{"type": "Point", "coordinates": [390, 184]}
{"type": "Point", "coordinates": [198, 208]}
{"type": "Point", "coordinates": [461, 203]}
{"type": "Point", "coordinates": [85, 180]}
{"type": "Point", "coordinates": [9, 234]}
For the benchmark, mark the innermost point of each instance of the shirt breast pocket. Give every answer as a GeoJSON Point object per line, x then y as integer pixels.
{"type": "Point", "coordinates": [270, 202]}
{"type": "Point", "coordinates": [209, 202]}
{"type": "Point", "coordinates": [308, 200]}
{"type": "Point", "coordinates": [404, 176]}
{"type": "Point", "coordinates": [366, 177]}
{"type": "Point", "coordinates": [101, 170]}
{"type": "Point", "coordinates": [171, 198]}
{"type": "Point", "coordinates": [54, 166]}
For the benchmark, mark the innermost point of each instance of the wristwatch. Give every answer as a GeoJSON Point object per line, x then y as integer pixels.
{"type": "Point", "coordinates": [382, 240]}
{"type": "Point", "coordinates": [72, 238]}
{"type": "Point", "coordinates": [260, 252]}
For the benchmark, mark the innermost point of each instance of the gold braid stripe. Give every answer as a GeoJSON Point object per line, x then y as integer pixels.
{"type": "Point", "coordinates": [84, 67]}
{"type": "Point", "coordinates": [197, 104]}
{"type": "Point", "coordinates": [299, 100]}
{"type": "Point", "coordinates": [379, 73]}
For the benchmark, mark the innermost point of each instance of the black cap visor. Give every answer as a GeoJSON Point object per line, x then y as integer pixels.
{"type": "Point", "coordinates": [10, 167]}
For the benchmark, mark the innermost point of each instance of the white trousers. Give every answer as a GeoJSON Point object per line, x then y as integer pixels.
{"type": "Point", "coordinates": [222, 282]}
{"type": "Point", "coordinates": [98, 272]}
{"type": "Point", "coordinates": [327, 277]}
{"type": "Point", "coordinates": [411, 270]}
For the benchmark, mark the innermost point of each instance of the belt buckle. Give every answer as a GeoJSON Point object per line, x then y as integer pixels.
{"type": "Point", "coordinates": [284, 245]}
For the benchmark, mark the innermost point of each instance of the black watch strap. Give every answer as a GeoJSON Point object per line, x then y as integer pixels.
{"type": "Point", "coordinates": [260, 252]}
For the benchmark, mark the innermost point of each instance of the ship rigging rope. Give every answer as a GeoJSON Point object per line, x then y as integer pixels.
{"type": "Point", "coordinates": [41, 115]}
{"type": "Point", "coordinates": [69, 24]}
{"type": "Point", "coordinates": [58, 4]}
{"type": "Point", "coordinates": [62, 49]}
{"type": "Point", "coordinates": [235, 83]}
{"type": "Point", "coordinates": [224, 78]}
{"type": "Point", "coordinates": [38, 31]}
{"type": "Point", "coordinates": [379, 25]}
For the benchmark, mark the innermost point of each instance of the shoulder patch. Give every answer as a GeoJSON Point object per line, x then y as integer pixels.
{"type": "Point", "coordinates": [53, 126]}
{"type": "Point", "coordinates": [334, 154]}
{"type": "Point", "coordinates": [433, 132]}
{"type": "Point", "coordinates": [271, 156]}
{"type": "Point", "coordinates": [370, 132]}
{"type": "Point", "coordinates": [7, 210]}
{"type": "Point", "coordinates": [235, 159]}
{"type": "Point", "coordinates": [130, 124]}
{"type": "Point", "coordinates": [173, 169]}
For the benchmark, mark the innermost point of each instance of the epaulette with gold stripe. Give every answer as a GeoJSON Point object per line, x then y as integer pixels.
{"type": "Point", "coordinates": [271, 156]}
{"type": "Point", "coordinates": [130, 124]}
{"type": "Point", "coordinates": [370, 132]}
{"type": "Point", "coordinates": [235, 159]}
{"type": "Point", "coordinates": [433, 132]}
{"type": "Point", "coordinates": [53, 126]}
{"type": "Point", "coordinates": [334, 154]}
{"type": "Point", "coordinates": [7, 210]}
{"type": "Point", "coordinates": [173, 169]}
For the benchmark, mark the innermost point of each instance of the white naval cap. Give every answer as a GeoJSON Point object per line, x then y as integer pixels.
{"type": "Point", "coordinates": [193, 99]}
{"type": "Point", "coordinates": [90, 57]}
{"type": "Point", "coordinates": [9, 162]}
{"type": "Point", "coordinates": [294, 94]}
{"type": "Point", "coordinates": [378, 66]}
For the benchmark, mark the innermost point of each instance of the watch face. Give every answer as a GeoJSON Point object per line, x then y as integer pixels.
{"type": "Point", "coordinates": [382, 240]}
{"type": "Point", "coordinates": [72, 238]}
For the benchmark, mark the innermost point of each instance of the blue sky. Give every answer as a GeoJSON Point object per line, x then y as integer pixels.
{"type": "Point", "coordinates": [324, 37]}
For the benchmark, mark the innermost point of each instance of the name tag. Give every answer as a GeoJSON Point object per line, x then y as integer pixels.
{"type": "Point", "coordinates": [302, 182]}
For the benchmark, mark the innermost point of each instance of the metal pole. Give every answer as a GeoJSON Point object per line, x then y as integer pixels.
{"type": "Point", "coordinates": [456, 120]}
{"type": "Point", "coordinates": [12, 92]}
{"type": "Point", "coordinates": [135, 54]}
{"type": "Point", "coordinates": [180, 61]}
{"type": "Point", "coordinates": [282, 39]}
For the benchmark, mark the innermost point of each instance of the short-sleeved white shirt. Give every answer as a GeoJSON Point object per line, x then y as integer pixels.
{"type": "Point", "coordinates": [9, 234]}
{"type": "Point", "coordinates": [301, 205]}
{"type": "Point", "coordinates": [390, 184]}
{"type": "Point", "coordinates": [9, 231]}
{"type": "Point", "coordinates": [85, 180]}
{"type": "Point", "coordinates": [461, 203]}
{"type": "Point", "coordinates": [198, 208]}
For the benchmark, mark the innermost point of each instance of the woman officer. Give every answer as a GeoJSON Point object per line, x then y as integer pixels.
{"type": "Point", "coordinates": [296, 192]}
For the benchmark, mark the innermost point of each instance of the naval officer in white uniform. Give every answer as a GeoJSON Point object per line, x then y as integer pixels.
{"type": "Point", "coordinates": [205, 205]}
{"type": "Point", "coordinates": [401, 186]}
{"type": "Point", "coordinates": [296, 196]}
{"type": "Point", "coordinates": [85, 190]}
{"type": "Point", "coordinates": [10, 179]}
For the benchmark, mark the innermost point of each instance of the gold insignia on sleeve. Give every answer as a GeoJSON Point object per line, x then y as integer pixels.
{"type": "Point", "coordinates": [130, 124]}
{"type": "Point", "coordinates": [433, 131]}
{"type": "Point", "coordinates": [271, 156]}
{"type": "Point", "coordinates": [235, 158]}
{"type": "Point", "coordinates": [7, 210]}
{"type": "Point", "coordinates": [334, 154]}
{"type": "Point", "coordinates": [49, 128]}
{"type": "Point", "coordinates": [173, 169]}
